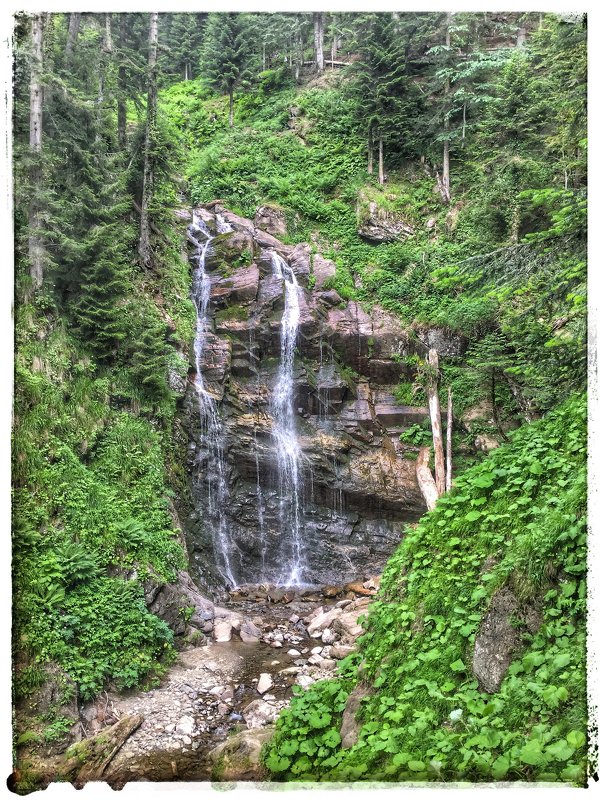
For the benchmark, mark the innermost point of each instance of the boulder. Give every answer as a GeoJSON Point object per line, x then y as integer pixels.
{"type": "Point", "coordinates": [259, 713]}
{"type": "Point", "coordinates": [350, 727]}
{"type": "Point", "coordinates": [323, 270]}
{"type": "Point", "coordinates": [222, 629]}
{"type": "Point", "coordinates": [498, 638]}
{"type": "Point", "coordinates": [249, 632]}
{"type": "Point", "coordinates": [271, 218]}
{"type": "Point", "coordinates": [186, 725]}
{"type": "Point", "coordinates": [264, 683]}
{"type": "Point", "coordinates": [378, 225]}
{"type": "Point", "coordinates": [238, 758]}
{"type": "Point", "coordinates": [241, 287]}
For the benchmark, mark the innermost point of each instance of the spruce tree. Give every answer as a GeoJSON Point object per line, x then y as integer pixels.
{"type": "Point", "coordinates": [228, 58]}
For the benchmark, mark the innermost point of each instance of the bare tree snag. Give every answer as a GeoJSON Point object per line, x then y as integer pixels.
{"type": "Point", "coordinates": [36, 103]}
{"type": "Point", "coordinates": [107, 41]}
{"type": "Point", "coordinates": [449, 442]}
{"type": "Point", "coordinates": [380, 175]}
{"type": "Point", "coordinates": [435, 414]}
{"type": "Point", "coordinates": [144, 248]}
{"type": "Point", "coordinates": [425, 479]}
{"type": "Point", "coordinates": [446, 164]}
{"type": "Point", "coordinates": [74, 23]}
{"type": "Point", "coordinates": [318, 24]}
{"type": "Point", "coordinates": [122, 88]}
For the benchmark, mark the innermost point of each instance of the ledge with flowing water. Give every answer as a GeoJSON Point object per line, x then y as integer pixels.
{"type": "Point", "coordinates": [298, 473]}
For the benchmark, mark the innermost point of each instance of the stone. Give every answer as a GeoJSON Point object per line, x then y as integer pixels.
{"type": "Point", "coordinates": [222, 630]}
{"type": "Point", "coordinates": [271, 218]}
{"type": "Point", "coordinates": [327, 663]}
{"type": "Point", "coordinates": [316, 650]}
{"type": "Point", "coordinates": [358, 588]}
{"type": "Point", "coordinates": [377, 225]}
{"type": "Point", "coordinates": [341, 650]}
{"type": "Point", "coordinates": [293, 652]}
{"type": "Point", "coordinates": [249, 632]}
{"type": "Point", "coordinates": [350, 727]}
{"type": "Point", "coordinates": [328, 636]}
{"type": "Point", "coordinates": [259, 713]}
{"type": "Point", "coordinates": [238, 758]}
{"type": "Point", "coordinates": [264, 683]}
{"type": "Point", "coordinates": [304, 681]}
{"type": "Point", "coordinates": [294, 619]}
{"type": "Point", "coordinates": [186, 740]}
{"type": "Point", "coordinates": [186, 725]}
{"type": "Point", "coordinates": [498, 638]}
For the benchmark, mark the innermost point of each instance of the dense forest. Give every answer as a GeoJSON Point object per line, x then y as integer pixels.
{"type": "Point", "coordinates": [204, 205]}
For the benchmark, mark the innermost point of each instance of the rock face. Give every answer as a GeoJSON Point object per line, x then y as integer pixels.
{"type": "Point", "coordinates": [271, 219]}
{"type": "Point", "coordinates": [498, 638]}
{"type": "Point", "coordinates": [358, 487]}
{"type": "Point", "coordinates": [238, 759]}
{"type": "Point", "coordinates": [378, 225]}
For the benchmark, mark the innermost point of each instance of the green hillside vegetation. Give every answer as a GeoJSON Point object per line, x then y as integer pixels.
{"type": "Point", "coordinates": [516, 520]}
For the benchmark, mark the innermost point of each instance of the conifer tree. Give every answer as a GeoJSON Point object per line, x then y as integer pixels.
{"type": "Point", "coordinates": [227, 55]}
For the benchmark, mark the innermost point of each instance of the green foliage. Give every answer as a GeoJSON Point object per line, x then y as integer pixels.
{"type": "Point", "coordinates": [517, 521]}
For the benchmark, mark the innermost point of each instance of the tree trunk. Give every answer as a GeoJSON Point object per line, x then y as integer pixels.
{"type": "Point", "coordinates": [370, 152]}
{"type": "Point", "coordinates": [74, 23]}
{"type": "Point", "coordinates": [446, 157]}
{"type": "Point", "coordinates": [36, 102]}
{"type": "Point", "coordinates": [107, 42]}
{"type": "Point", "coordinates": [264, 56]}
{"type": "Point", "coordinates": [380, 175]}
{"type": "Point", "coordinates": [231, 107]}
{"type": "Point", "coordinates": [464, 128]}
{"type": "Point", "coordinates": [435, 414]}
{"type": "Point", "coordinates": [333, 40]}
{"type": "Point", "coordinates": [521, 37]}
{"type": "Point", "coordinates": [145, 250]}
{"type": "Point", "coordinates": [449, 442]}
{"type": "Point", "coordinates": [425, 479]}
{"type": "Point", "coordinates": [121, 89]}
{"type": "Point", "coordinates": [318, 24]}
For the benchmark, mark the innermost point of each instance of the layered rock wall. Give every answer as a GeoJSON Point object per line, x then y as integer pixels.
{"type": "Point", "coordinates": [359, 482]}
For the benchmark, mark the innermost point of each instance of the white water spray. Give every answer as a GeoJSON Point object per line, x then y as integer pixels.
{"type": "Point", "coordinates": [212, 434]}
{"type": "Point", "coordinates": [284, 426]}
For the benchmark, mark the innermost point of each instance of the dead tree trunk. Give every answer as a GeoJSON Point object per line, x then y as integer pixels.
{"type": "Point", "coordinates": [36, 104]}
{"type": "Point", "coordinates": [107, 42]}
{"type": "Point", "coordinates": [435, 414]}
{"type": "Point", "coordinates": [425, 479]}
{"type": "Point", "coordinates": [318, 25]}
{"type": "Point", "coordinates": [380, 174]}
{"type": "Point", "coordinates": [446, 155]}
{"type": "Point", "coordinates": [449, 442]}
{"type": "Point", "coordinates": [121, 89]}
{"type": "Point", "coordinates": [74, 23]}
{"type": "Point", "coordinates": [145, 250]}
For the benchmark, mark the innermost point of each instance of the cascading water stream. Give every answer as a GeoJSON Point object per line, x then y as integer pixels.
{"type": "Point", "coordinates": [284, 427]}
{"type": "Point", "coordinates": [212, 433]}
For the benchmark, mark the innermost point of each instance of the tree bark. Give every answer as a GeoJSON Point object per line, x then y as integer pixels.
{"type": "Point", "coordinates": [435, 414]}
{"type": "Point", "coordinates": [145, 250]}
{"type": "Point", "coordinates": [333, 40]}
{"type": "Point", "coordinates": [36, 104]}
{"type": "Point", "coordinates": [318, 25]}
{"type": "Point", "coordinates": [446, 155]}
{"type": "Point", "coordinates": [370, 152]}
{"type": "Point", "coordinates": [449, 442]}
{"type": "Point", "coordinates": [231, 108]}
{"type": "Point", "coordinates": [425, 479]}
{"type": "Point", "coordinates": [74, 23]}
{"type": "Point", "coordinates": [107, 42]}
{"type": "Point", "coordinates": [121, 89]}
{"type": "Point", "coordinates": [521, 37]}
{"type": "Point", "coordinates": [380, 174]}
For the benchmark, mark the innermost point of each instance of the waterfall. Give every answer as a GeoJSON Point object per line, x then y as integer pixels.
{"type": "Point", "coordinates": [212, 433]}
{"type": "Point", "coordinates": [284, 426]}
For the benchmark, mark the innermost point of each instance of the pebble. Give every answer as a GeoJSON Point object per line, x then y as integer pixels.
{"type": "Point", "coordinates": [294, 619]}
{"type": "Point", "coordinates": [316, 650]}
{"type": "Point", "coordinates": [294, 652]}
{"type": "Point", "coordinates": [265, 682]}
